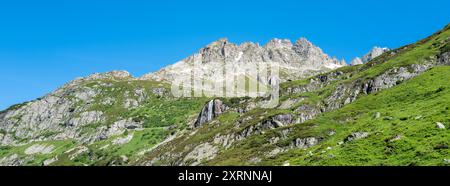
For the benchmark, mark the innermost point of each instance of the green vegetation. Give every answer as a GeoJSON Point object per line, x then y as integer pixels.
{"type": "Point", "coordinates": [401, 123]}
{"type": "Point", "coordinates": [58, 147]}
{"type": "Point", "coordinates": [120, 91]}
{"type": "Point", "coordinates": [161, 116]}
{"type": "Point", "coordinates": [408, 112]}
{"type": "Point", "coordinates": [161, 112]}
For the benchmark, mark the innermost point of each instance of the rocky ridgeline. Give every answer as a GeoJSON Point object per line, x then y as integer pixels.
{"type": "Point", "coordinates": [71, 111]}
{"type": "Point", "coordinates": [296, 60]}
{"type": "Point", "coordinates": [375, 52]}
{"type": "Point", "coordinates": [343, 89]}
{"type": "Point", "coordinates": [84, 103]}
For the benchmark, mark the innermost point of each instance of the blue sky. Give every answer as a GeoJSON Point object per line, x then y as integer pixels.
{"type": "Point", "coordinates": [44, 44]}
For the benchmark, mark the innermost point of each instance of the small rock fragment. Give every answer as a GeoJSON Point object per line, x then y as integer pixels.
{"type": "Point", "coordinates": [440, 125]}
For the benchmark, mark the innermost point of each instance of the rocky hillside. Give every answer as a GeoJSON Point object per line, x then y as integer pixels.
{"type": "Point", "coordinates": [113, 113]}
{"type": "Point", "coordinates": [114, 118]}
{"type": "Point", "coordinates": [375, 52]}
{"type": "Point", "coordinates": [391, 110]}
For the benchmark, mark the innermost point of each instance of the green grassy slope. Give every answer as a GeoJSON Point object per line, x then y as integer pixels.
{"type": "Point", "coordinates": [403, 133]}
{"type": "Point", "coordinates": [401, 121]}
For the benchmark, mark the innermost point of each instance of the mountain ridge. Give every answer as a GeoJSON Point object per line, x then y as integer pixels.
{"type": "Point", "coordinates": [279, 51]}
{"type": "Point", "coordinates": [116, 119]}
{"type": "Point", "coordinates": [257, 137]}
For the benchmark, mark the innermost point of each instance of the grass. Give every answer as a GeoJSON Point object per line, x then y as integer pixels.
{"type": "Point", "coordinates": [415, 107]}
{"type": "Point", "coordinates": [161, 112]}
{"type": "Point", "coordinates": [160, 115]}
{"type": "Point", "coordinates": [37, 159]}
{"type": "Point", "coordinates": [405, 132]}
{"type": "Point", "coordinates": [408, 112]}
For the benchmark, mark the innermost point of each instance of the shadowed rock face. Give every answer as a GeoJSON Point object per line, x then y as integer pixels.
{"type": "Point", "coordinates": [444, 58]}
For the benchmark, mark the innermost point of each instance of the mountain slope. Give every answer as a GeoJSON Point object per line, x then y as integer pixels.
{"type": "Point", "coordinates": [401, 124]}
{"type": "Point", "coordinates": [397, 126]}
{"type": "Point", "coordinates": [300, 130]}
{"type": "Point", "coordinates": [99, 119]}
{"type": "Point", "coordinates": [372, 54]}
{"type": "Point", "coordinates": [114, 118]}
{"type": "Point", "coordinates": [376, 113]}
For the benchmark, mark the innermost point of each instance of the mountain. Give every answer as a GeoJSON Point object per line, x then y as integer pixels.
{"type": "Point", "coordinates": [301, 59]}
{"type": "Point", "coordinates": [356, 61]}
{"type": "Point", "coordinates": [102, 107]}
{"type": "Point", "coordinates": [375, 52]}
{"type": "Point", "coordinates": [391, 110]}
{"type": "Point", "coordinates": [372, 54]}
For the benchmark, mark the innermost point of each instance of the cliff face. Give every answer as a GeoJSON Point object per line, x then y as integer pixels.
{"type": "Point", "coordinates": [327, 111]}
{"type": "Point", "coordinates": [210, 111]}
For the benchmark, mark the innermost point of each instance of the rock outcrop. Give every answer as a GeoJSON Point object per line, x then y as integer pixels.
{"type": "Point", "coordinates": [375, 52]}
{"type": "Point", "coordinates": [372, 54]}
{"type": "Point", "coordinates": [303, 143]}
{"type": "Point", "coordinates": [356, 136]}
{"type": "Point", "coordinates": [356, 61]}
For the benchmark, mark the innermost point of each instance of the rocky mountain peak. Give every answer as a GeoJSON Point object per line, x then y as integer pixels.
{"type": "Point", "coordinates": [120, 74]}
{"type": "Point", "coordinates": [214, 52]}
{"type": "Point", "coordinates": [303, 42]}
{"type": "Point", "coordinates": [116, 74]}
{"type": "Point", "coordinates": [219, 43]}
{"type": "Point", "coordinates": [375, 52]}
{"type": "Point", "coordinates": [279, 43]}
{"type": "Point", "coordinates": [305, 48]}
{"type": "Point", "coordinates": [356, 61]}
{"type": "Point", "coordinates": [303, 57]}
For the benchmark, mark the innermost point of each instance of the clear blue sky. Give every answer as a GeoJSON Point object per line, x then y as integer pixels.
{"type": "Point", "coordinates": [44, 44]}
